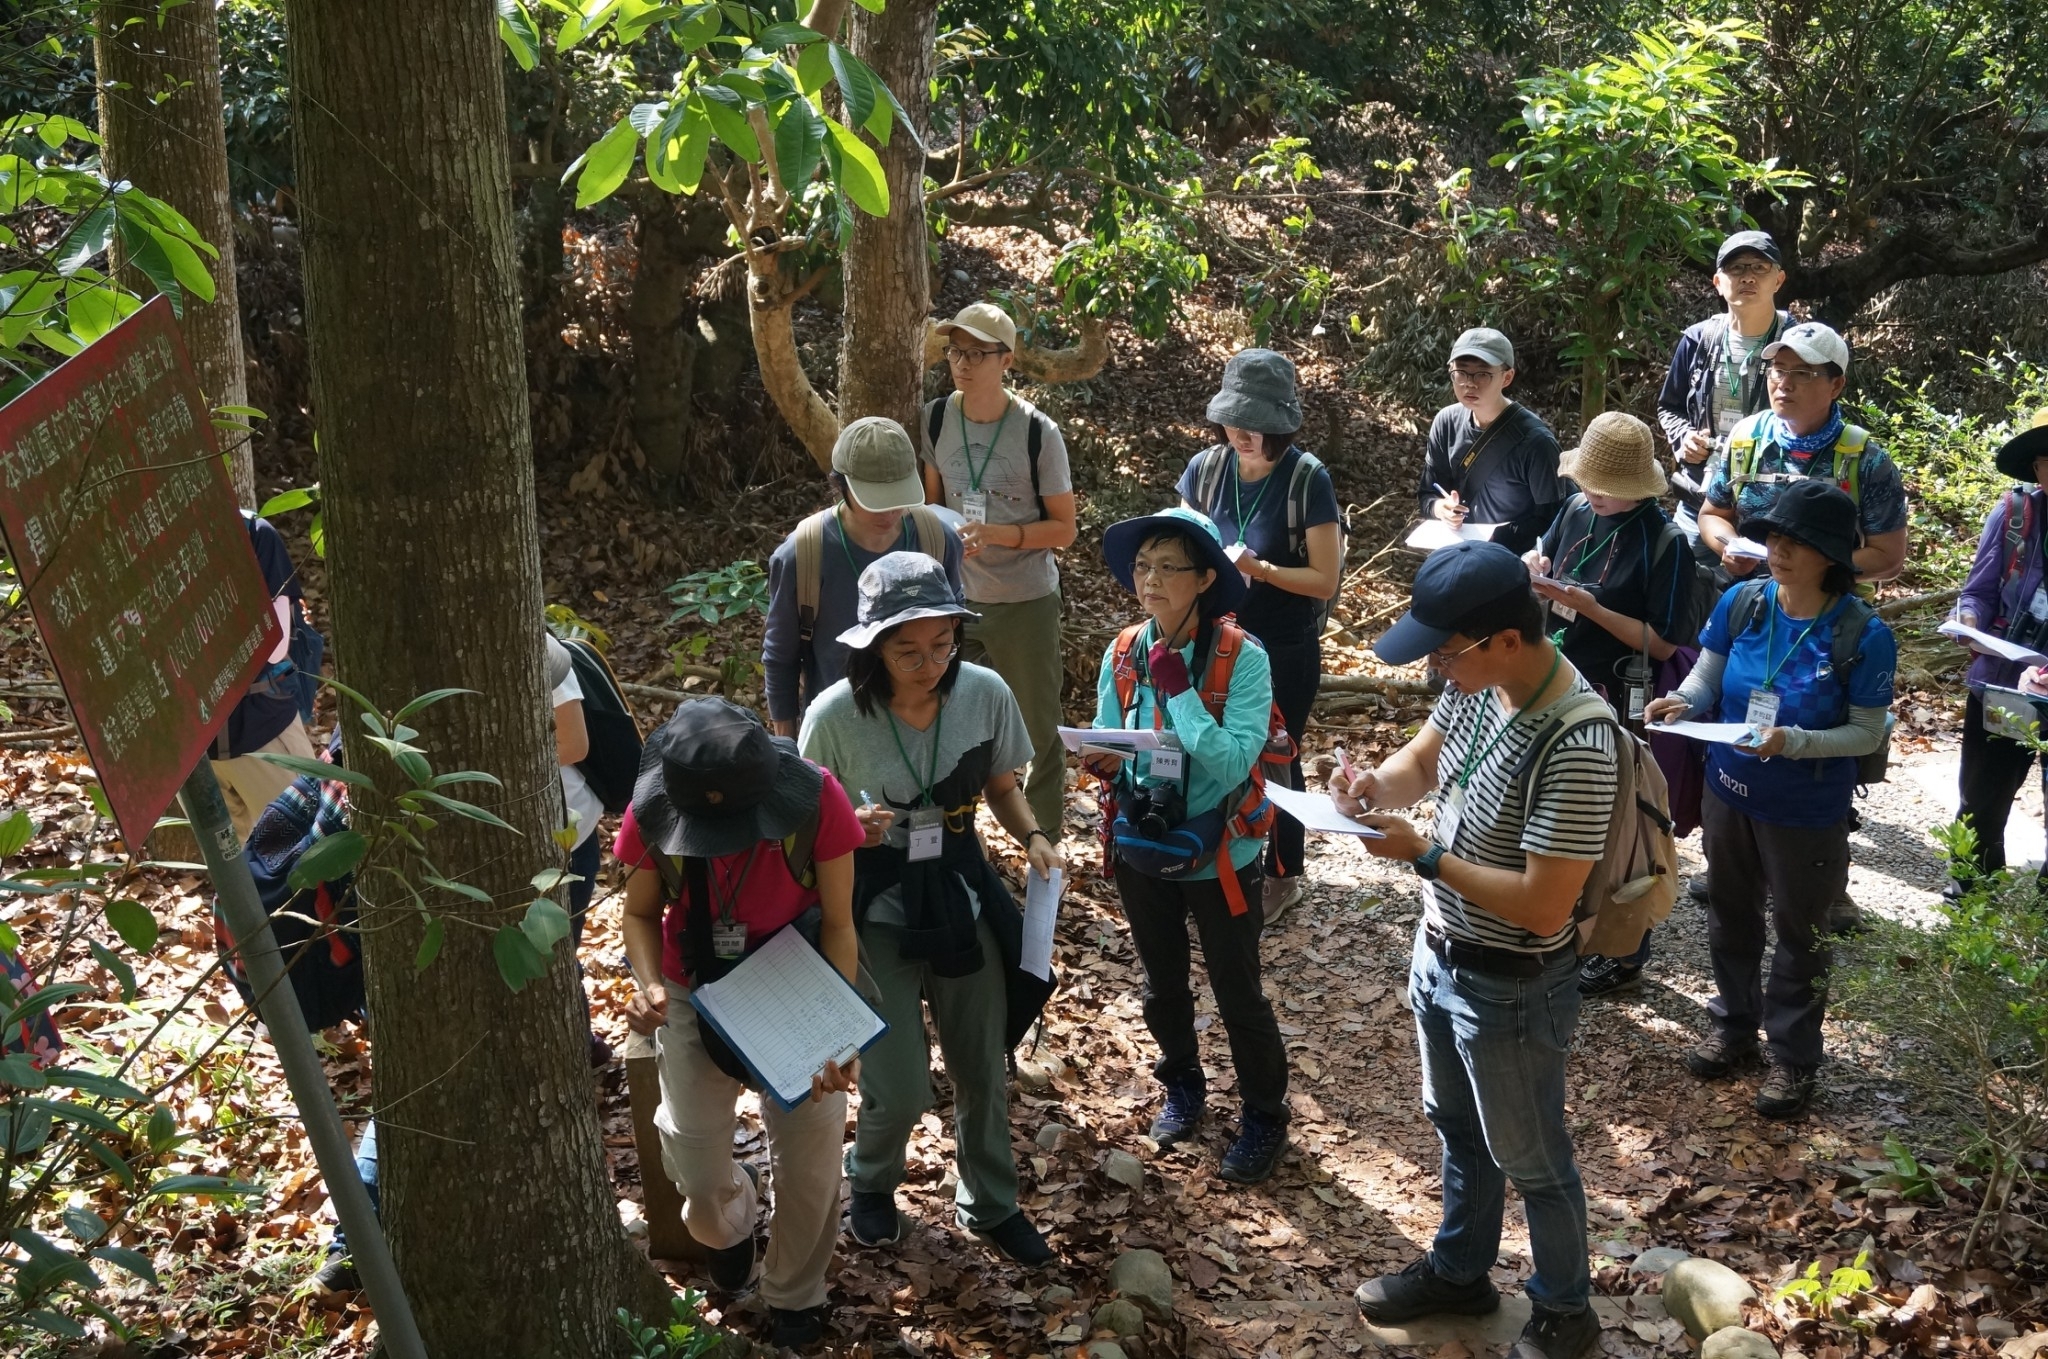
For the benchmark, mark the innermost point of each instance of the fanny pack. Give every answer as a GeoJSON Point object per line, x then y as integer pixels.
{"type": "Point", "coordinates": [1186, 850]}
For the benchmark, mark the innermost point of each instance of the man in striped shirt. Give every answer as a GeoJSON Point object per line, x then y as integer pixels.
{"type": "Point", "coordinates": [1494, 979]}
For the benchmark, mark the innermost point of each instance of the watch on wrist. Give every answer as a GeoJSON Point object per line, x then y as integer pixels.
{"type": "Point", "coordinates": [1425, 863]}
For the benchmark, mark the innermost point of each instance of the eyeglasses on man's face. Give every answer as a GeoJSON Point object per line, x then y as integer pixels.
{"type": "Point", "coordinates": [1473, 377]}
{"type": "Point", "coordinates": [1757, 269]}
{"type": "Point", "coordinates": [910, 662]}
{"type": "Point", "coordinates": [970, 357]}
{"type": "Point", "coordinates": [1795, 377]}
{"type": "Point", "coordinates": [1442, 660]}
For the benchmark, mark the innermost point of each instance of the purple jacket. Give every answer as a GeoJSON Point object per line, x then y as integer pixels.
{"type": "Point", "coordinates": [1996, 600]}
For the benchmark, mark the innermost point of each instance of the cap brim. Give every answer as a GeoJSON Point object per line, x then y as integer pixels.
{"type": "Point", "coordinates": [1739, 251]}
{"type": "Point", "coordinates": [1409, 640]}
{"type": "Point", "coordinates": [666, 830]}
{"type": "Point", "coordinates": [1250, 412]}
{"type": "Point", "coordinates": [1772, 349]}
{"type": "Point", "coordinates": [862, 635]}
{"type": "Point", "coordinates": [2016, 455]}
{"type": "Point", "coordinates": [947, 327]}
{"type": "Point", "coordinates": [1121, 541]}
{"type": "Point", "coordinates": [1469, 352]}
{"type": "Point", "coordinates": [877, 497]}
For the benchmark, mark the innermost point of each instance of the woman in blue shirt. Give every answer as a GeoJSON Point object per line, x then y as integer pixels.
{"type": "Point", "coordinates": [1166, 674]}
{"type": "Point", "coordinates": [1808, 667]}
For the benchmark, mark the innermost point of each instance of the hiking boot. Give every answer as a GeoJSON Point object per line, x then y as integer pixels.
{"type": "Point", "coordinates": [1719, 1056]}
{"type": "Point", "coordinates": [1697, 889]}
{"type": "Point", "coordinates": [798, 1327]}
{"type": "Point", "coordinates": [1557, 1335]}
{"type": "Point", "coordinates": [338, 1275]}
{"type": "Point", "coordinates": [1015, 1237]}
{"type": "Point", "coordinates": [1419, 1291]}
{"type": "Point", "coordinates": [1786, 1091]}
{"type": "Point", "coordinates": [732, 1267]}
{"type": "Point", "coordinates": [1185, 1103]}
{"type": "Point", "coordinates": [1953, 890]}
{"type": "Point", "coordinates": [1261, 1141]}
{"type": "Point", "coordinates": [1605, 976]}
{"type": "Point", "coordinates": [1279, 896]}
{"type": "Point", "coordinates": [1845, 917]}
{"type": "Point", "coordinates": [873, 1219]}
{"type": "Point", "coordinates": [600, 1053]}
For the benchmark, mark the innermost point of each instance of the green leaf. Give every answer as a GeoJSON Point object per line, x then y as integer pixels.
{"type": "Point", "coordinates": [545, 924]}
{"type": "Point", "coordinates": [813, 69]}
{"type": "Point", "coordinates": [17, 1070]}
{"type": "Point", "coordinates": [161, 1130]}
{"type": "Point", "coordinates": [786, 35]}
{"type": "Point", "coordinates": [551, 879]}
{"type": "Point", "coordinates": [606, 165]}
{"type": "Point", "coordinates": [319, 769]}
{"type": "Point", "coordinates": [185, 263]}
{"type": "Point", "coordinates": [519, 33]}
{"type": "Point", "coordinates": [135, 1262]}
{"type": "Point", "coordinates": [41, 1002]}
{"type": "Point", "coordinates": [86, 1227]}
{"type": "Point", "coordinates": [466, 776]}
{"type": "Point", "coordinates": [177, 1185]}
{"type": "Point", "coordinates": [133, 922]}
{"type": "Point", "coordinates": [859, 171]}
{"type": "Point", "coordinates": [117, 965]}
{"type": "Point", "coordinates": [430, 944]}
{"type": "Point", "coordinates": [426, 700]}
{"type": "Point", "coordinates": [799, 144]}
{"type": "Point", "coordinates": [468, 809]}
{"type": "Point", "coordinates": [461, 889]}
{"type": "Point", "coordinates": [328, 859]}
{"type": "Point", "coordinates": [106, 1156]}
{"type": "Point", "coordinates": [856, 83]}
{"type": "Point", "coordinates": [727, 113]}
{"type": "Point", "coordinates": [518, 962]}
{"type": "Point", "coordinates": [97, 792]}
{"type": "Point", "coordinates": [54, 1323]}
{"type": "Point", "coordinates": [16, 831]}
{"type": "Point", "coordinates": [295, 499]}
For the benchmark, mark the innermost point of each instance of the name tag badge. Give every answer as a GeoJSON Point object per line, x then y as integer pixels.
{"type": "Point", "coordinates": [1563, 613]}
{"type": "Point", "coordinates": [728, 938]}
{"type": "Point", "coordinates": [974, 506]}
{"type": "Point", "coordinates": [1167, 764]}
{"type": "Point", "coordinates": [1725, 422]}
{"type": "Point", "coordinates": [2038, 605]}
{"type": "Point", "coordinates": [927, 833]}
{"type": "Point", "coordinates": [1763, 709]}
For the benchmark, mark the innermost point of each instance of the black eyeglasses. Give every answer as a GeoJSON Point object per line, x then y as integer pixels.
{"type": "Point", "coordinates": [971, 357]}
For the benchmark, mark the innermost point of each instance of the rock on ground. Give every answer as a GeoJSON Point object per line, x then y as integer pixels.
{"type": "Point", "coordinates": [1142, 1276]}
{"type": "Point", "coordinates": [1736, 1342]}
{"type": "Point", "coordinates": [1705, 1295]}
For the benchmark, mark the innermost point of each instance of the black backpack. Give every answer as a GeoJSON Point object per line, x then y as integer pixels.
{"type": "Point", "coordinates": [1210, 465]}
{"type": "Point", "coordinates": [1034, 439]}
{"type": "Point", "coordinates": [614, 759]}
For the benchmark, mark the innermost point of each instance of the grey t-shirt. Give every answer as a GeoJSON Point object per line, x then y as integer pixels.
{"type": "Point", "coordinates": [1000, 575]}
{"type": "Point", "coordinates": [979, 733]}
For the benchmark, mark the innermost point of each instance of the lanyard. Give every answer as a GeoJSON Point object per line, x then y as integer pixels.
{"type": "Point", "coordinates": [1472, 760]}
{"type": "Point", "coordinates": [1237, 493]}
{"type": "Point", "coordinates": [1588, 554]}
{"type": "Point", "coordinates": [931, 778]}
{"type": "Point", "coordinates": [1736, 375]}
{"type": "Point", "coordinates": [1771, 639]}
{"type": "Point", "coordinates": [728, 897]}
{"type": "Point", "coordinates": [851, 565]}
{"type": "Point", "coordinates": [967, 449]}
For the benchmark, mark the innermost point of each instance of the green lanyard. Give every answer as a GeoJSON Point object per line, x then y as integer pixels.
{"type": "Point", "coordinates": [851, 565]}
{"type": "Point", "coordinates": [1736, 376]}
{"type": "Point", "coordinates": [1474, 760]}
{"type": "Point", "coordinates": [1237, 493]}
{"type": "Point", "coordinates": [931, 777]}
{"type": "Point", "coordinates": [1588, 554]}
{"type": "Point", "coordinates": [1771, 638]}
{"type": "Point", "coordinates": [967, 449]}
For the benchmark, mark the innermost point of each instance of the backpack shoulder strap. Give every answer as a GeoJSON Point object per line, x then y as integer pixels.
{"type": "Point", "coordinates": [1297, 502]}
{"type": "Point", "coordinates": [1209, 476]}
{"type": "Point", "coordinates": [589, 649]}
{"type": "Point", "coordinates": [2019, 517]}
{"type": "Point", "coordinates": [1845, 647]}
{"type": "Point", "coordinates": [935, 420]}
{"type": "Point", "coordinates": [931, 534]}
{"type": "Point", "coordinates": [1747, 608]}
{"type": "Point", "coordinates": [1574, 714]}
{"type": "Point", "coordinates": [810, 556]}
{"type": "Point", "coordinates": [800, 850]}
{"type": "Point", "coordinates": [1848, 461]}
{"type": "Point", "coordinates": [1034, 441]}
{"type": "Point", "coordinates": [1223, 652]}
{"type": "Point", "coordinates": [1123, 670]}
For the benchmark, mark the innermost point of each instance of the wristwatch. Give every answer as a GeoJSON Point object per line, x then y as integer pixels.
{"type": "Point", "coordinates": [1425, 863]}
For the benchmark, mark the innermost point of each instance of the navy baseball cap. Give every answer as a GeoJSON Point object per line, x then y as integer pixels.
{"type": "Point", "coordinates": [1752, 242]}
{"type": "Point", "coordinates": [1455, 583]}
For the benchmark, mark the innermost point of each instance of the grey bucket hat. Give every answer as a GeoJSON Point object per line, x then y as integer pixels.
{"type": "Point", "coordinates": [901, 588]}
{"type": "Point", "coordinates": [1258, 394]}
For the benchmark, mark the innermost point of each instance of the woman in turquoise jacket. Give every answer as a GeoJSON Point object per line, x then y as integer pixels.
{"type": "Point", "coordinates": [1191, 671]}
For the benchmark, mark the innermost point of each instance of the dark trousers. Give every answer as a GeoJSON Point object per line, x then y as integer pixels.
{"type": "Point", "coordinates": [1993, 770]}
{"type": "Point", "coordinates": [1297, 674]}
{"type": "Point", "coordinates": [1158, 913]}
{"type": "Point", "coordinates": [1796, 873]}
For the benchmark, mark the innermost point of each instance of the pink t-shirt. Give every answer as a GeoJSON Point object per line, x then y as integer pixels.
{"type": "Point", "coordinates": [770, 898]}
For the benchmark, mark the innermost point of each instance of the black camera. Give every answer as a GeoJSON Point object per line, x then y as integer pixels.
{"type": "Point", "coordinates": [1155, 809]}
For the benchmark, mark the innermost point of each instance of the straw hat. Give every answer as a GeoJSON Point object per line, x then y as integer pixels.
{"type": "Point", "coordinates": [1615, 457]}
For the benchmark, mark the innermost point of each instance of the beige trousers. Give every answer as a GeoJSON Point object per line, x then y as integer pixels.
{"type": "Point", "coordinates": [248, 784]}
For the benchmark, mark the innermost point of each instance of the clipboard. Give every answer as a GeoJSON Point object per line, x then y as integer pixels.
{"type": "Point", "coordinates": [775, 1009]}
{"type": "Point", "coordinates": [2012, 713]}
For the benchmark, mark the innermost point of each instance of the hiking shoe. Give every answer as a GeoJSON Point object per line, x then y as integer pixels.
{"type": "Point", "coordinates": [600, 1053]}
{"type": "Point", "coordinates": [1605, 976]}
{"type": "Point", "coordinates": [1697, 888]}
{"type": "Point", "coordinates": [1845, 917]}
{"type": "Point", "coordinates": [1279, 896]}
{"type": "Point", "coordinates": [1557, 1335]}
{"type": "Point", "coordinates": [1786, 1091]}
{"type": "Point", "coordinates": [1719, 1056]}
{"type": "Point", "coordinates": [1261, 1140]}
{"type": "Point", "coordinates": [1419, 1291]}
{"type": "Point", "coordinates": [798, 1327]}
{"type": "Point", "coordinates": [1953, 890]}
{"type": "Point", "coordinates": [1015, 1237]}
{"type": "Point", "coordinates": [873, 1219]}
{"type": "Point", "coordinates": [732, 1267]}
{"type": "Point", "coordinates": [338, 1275]}
{"type": "Point", "coordinates": [1177, 1122]}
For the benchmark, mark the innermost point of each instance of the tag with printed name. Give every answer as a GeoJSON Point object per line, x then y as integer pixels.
{"type": "Point", "coordinates": [1563, 613]}
{"type": "Point", "coordinates": [728, 938]}
{"type": "Point", "coordinates": [927, 833]}
{"type": "Point", "coordinates": [2038, 605]}
{"type": "Point", "coordinates": [1763, 709]}
{"type": "Point", "coordinates": [1167, 764]}
{"type": "Point", "coordinates": [974, 506]}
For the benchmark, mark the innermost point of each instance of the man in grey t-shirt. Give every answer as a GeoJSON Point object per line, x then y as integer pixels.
{"type": "Point", "coordinates": [1018, 511]}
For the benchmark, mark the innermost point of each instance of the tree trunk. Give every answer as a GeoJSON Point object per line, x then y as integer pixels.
{"type": "Point", "coordinates": [495, 1191]}
{"type": "Point", "coordinates": [888, 274]}
{"type": "Point", "coordinates": [160, 128]}
{"type": "Point", "coordinates": [672, 237]}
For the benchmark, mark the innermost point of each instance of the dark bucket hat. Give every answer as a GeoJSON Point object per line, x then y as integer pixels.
{"type": "Point", "coordinates": [2016, 455]}
{"type": "Point", "coordinates": [1121, 541]}
{"type": "Point", "coordinates": [1817, 513]}
{"type": "Point", "coordinates": [901, 588]}
{"type": "Point", "coordinates": [714, 782]}
{"type": "Point", "coordinates": [1258, 394]}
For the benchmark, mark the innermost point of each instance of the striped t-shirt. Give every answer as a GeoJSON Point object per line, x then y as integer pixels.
{"type": "Point", "coordinates": [1496, 821]}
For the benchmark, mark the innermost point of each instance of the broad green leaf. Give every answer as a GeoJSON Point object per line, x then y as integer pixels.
{"type": "Point", "coordinates": [117, 965]}
{"type": "Point", "coordinates": [519, 33]}
{"type": "Point", "coordinates": [54, 1323]}
{"type": "Point", "coordinates": [645, 118]}
{"type": "Point", "coordinates": [637, 16]}
{"type": "Point", "coordinates": [17, 1070]}
{"type": "Point", "coordinates": [548, 879]}
{"type": "Point", "coordinates": [202, 1184]}
{"type": "Point", "coordinates": [16, 831]}
{"type": "Point", "coordinates": [461, 889]}
{"type": "Point", "coordinates": [91, 314]}
{"type": "Point", "coordinates": [295, 499]}
{"type": "Point", "coordinates": [73, 1112]}
{"type": "Point", "coordinates": [319, 769]}
{"type": "Point", "coordinates": [813, 68]}
{"type": "Point", "coordinates": [426, 700]}
{"type": "Point", "coordinates": [466, 809]}
{"type": "Point", "coordinates": [856, 84]}
{"type": "Point", "coordinates": [727, 113]}
{"type": "Point", "coordinates": [799, 144]}
{"type": "Point", "coordinates": [787, 35]}
{"type": "Point", "coordinates": [185, 263]}
{"type": "Point", "coordinates": [87, 238]}
{"type": "Point", "coordinates": [607, 164]}
{"type": "Point", "coordinates": [430, 944]}
{"type": "Point", "coordinates": [518, 962]}
{"type": "Point", "coordinates": [466, 776]}
{"type": "Point", "coordinates": [871, 6]}
{"type": "Point", "coordinates": [592, 16]}
{"type": "Point", "coordinates": [135, 1262]}
{"type": "Point", "coordinates": [86, 1227]}
{"type": "Point", "coordinates": [859, 171]}
{"type": "Point", "coordinates": [133, 922]}
{"type": "Point", "coordinates": [328, 859]}
{"type": "Point", "coordinates": [545, 924]}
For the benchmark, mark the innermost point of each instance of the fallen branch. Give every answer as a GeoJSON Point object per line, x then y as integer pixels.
{"type": "Point", "coordinates": [1894, 608]}
{"type": "Point", "coordinates": [47, 734]}
{"type": "Point", "coordinates": [1375, 684]}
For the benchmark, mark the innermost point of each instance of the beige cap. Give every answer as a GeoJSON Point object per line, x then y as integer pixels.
{"type": "Point", "coordinates": [986, 322]}
{"type": "Point", "coordinates": [1615, 457]}
{"type": "Point", "coordinates": [879, 463]}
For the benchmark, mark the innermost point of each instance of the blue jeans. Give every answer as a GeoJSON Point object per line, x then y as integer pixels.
{"type": "Point", "coordinates": [366, 1167]}
{"type": "Point", "coordinates": [1493, 1059]}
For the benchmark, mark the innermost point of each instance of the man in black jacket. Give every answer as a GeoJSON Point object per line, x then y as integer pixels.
{"type": "Point", "coordinates": [1490, 460]}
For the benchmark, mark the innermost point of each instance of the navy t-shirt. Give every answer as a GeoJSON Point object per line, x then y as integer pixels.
{"type": "Point", "coordinates": [258, 718]}
{"type": "Point", "coordinates": [1811, 695]}
{"type": "Point", "coordinates": [1255, 514]}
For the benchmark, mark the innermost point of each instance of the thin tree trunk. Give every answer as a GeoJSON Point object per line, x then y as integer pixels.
{"type": "Point", "coordinates": [888, 274]}
{"type": "Point", "coordinates": [494, 1184]}
{"type": "Point", "coordinates": [160, 125]}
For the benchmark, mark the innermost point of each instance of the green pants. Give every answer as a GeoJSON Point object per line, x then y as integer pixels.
{"type": "Point", "coordinates": [1021, 642]}
{"type": "Point", "coordinates": [895, 1077]}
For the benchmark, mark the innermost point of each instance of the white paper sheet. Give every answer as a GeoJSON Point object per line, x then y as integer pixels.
{"type": "Point", "coordinates": [1997, 646]}
{"type": "Point", "coordinates": [1432, 534]}
{"type": "Point", "coordinates": [1142, 738]}
{"type": "Point", "coordinates": [1316, 812]}
{"type": "Point", "coordinates": [786, 1011]}
{"type": "Point", "coordinates": [1722, 733]}
{"type": "Point", "coordinates": [1041, 913]}
{"type": "Point", "coordinates": [1748, 547]}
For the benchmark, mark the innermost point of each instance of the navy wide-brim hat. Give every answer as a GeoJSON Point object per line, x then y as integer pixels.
{"type": "Point", "coordinates": [1451, 585]}
{"type": "Point", "coordinates": [1817, 513]}
{"type": "Point", "coordinates": [2016, 455]}
{"type": "Point", "coordinates": [713, 782]}
{"type": "Point", "coordinates": [1121, 541]}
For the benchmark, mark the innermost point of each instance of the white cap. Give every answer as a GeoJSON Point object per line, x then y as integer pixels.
{"type": "Point", "coordinates": [1815, 343]}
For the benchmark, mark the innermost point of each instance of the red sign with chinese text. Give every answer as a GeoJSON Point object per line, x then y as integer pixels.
{"type": "Point", "coordinates": [134, 558]}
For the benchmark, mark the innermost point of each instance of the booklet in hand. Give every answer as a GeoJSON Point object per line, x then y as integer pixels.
{"type": "Point", "coordinates": [786, 1011]}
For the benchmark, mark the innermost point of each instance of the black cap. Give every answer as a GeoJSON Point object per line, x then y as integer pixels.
{"type": "Point", "coordinates": [1756, 242]}
{"type": "Point", "coordinates": [714, 782]}
{"type": "Point", "coordinates": [1817, 513]}
{"type": "Point", "coordinates": [1454, 583]}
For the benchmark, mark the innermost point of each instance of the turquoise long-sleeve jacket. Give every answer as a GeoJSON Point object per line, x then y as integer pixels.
{"type": "Point", "coordinates": [1218, 757]}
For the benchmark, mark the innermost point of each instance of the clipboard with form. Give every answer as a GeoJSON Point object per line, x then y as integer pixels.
{"type": "Point", "coordinates": [786, 1012]}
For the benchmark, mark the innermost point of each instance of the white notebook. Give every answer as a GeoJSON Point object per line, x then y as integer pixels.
{"type": "Point", "coordinates": [1432, 534]}
{"type": "Point", "coordinates": [786, 1011]}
